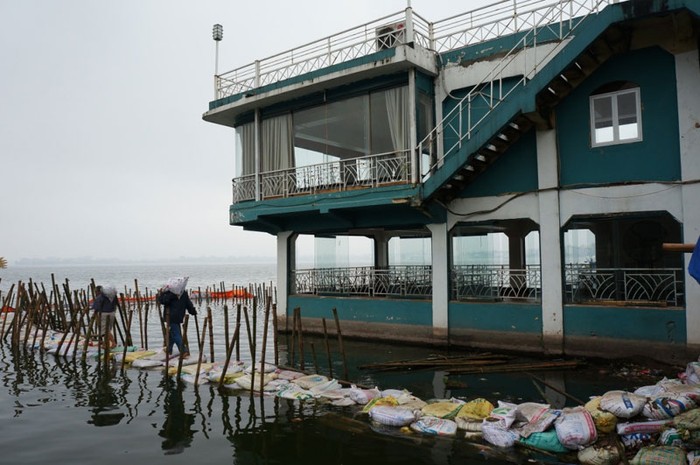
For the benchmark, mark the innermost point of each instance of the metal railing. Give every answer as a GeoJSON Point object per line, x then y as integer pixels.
{"type": "Point", "coordinates": [555, 19]}
{"type": "Point", "coordinates": [586, 284]}
{"type": "Point", "coordinates": [369, 171]}
{"type": "Point", "coordinates": [496, 282]}
{"type": "Point", "coordinates": [394, 281]}
{"type": "Point", "coordinates": [479, 25]}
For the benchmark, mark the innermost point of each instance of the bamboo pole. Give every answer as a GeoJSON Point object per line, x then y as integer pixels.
{"type": "Point", "coordinates": [274, 334]}
{"type": "Point", "coordinates": [340, 342]}
{"type": "Point", "coordinates": [233, 343]}
{"type": "Point", "coordinates": [201, 351]}
{"type": "Point", "coordinates": [264, 341]}
{"type": "Point", "coordinates": [211, 335]}
{"type": "Point", "coordinates": [300, 333]}
{"type": "Point", "coordinates": [238, 325]}
{"type": "Point", "coordinates": [328, 348]}
{"type": "Point", "coordinates": [673, 247]}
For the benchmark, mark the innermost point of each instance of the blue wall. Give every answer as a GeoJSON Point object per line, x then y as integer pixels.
{"type": "Point", "coordinates": [393, 311]}
{"type": "Point", "coordinates": [649, 324]}
{"type": "Point", "coordinates": [655, 158]}
{"type": "Point", "coordinates": [512, 317]}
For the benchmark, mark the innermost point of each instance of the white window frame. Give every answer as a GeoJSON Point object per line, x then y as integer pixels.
{"type": "Point", "coordinates": [613, 97]}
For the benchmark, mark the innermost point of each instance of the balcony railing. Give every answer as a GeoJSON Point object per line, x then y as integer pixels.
{"type": "Point", "coordinates": [496, 20]}
{"type": "Point", "coordinates": [626, 286]}
{"type": "Point", "coordinates": [394, 281]}
{"type": "Point", "coordinates": [371, 171]}
{"type": "Point", "coordinates": [496, 282]}
{"type": "Point", "coordinates": [583, 284]}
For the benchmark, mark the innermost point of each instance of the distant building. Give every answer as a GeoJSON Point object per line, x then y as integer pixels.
{"type": "Point", "coordinates": [532, 161]}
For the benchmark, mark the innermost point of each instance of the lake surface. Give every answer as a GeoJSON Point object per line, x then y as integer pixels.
{"type": "Point", "coordinates": [54, 410]}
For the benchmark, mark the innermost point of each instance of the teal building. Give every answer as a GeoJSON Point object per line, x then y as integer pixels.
{"type": "Point", "coordinates": [504, 178]}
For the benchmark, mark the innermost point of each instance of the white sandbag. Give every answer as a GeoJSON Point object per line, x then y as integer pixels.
{"type": "Point", "coordinates": [537, 417]}
{"type": "Point", "coordinates": [309, 381]}
{"type": "Point", "coordinates": [330, 385]}
{"type": "Point", "coordinates": [395, 393]}
{"type": "Point", "coordinates": [692, 373]}
{"type": "Point", "coordinates": [636, 440]}
{"type": "Point", "coordinates": [109, 291]}
{"type": "Point", "coordinates": [289, 374]}
{"type": "Point", "coordinates": [176, 285]}
{"type": "Point", "coordinates": [575, 428]}
{"type": "Point", "coordinates": [246, 381]}
{"type": "Point", "coordinates": [505, 413]}
{"type": "Point", "coordinates": [260, 367]}
{"type": "Point", "coordinates": [408, 400]}
{"type": "Point", "coordinates": [363, 396]}
{"type": "Point", "coordinates": [497, 434]}
{"type": "Point", "coordinates": [392, 416]}
{"type": "Point", "coordinates": [693, 457]}
{"type": "Point", "coordinates": [344, 402]}
{"type": "Point", "coordinates": [435, 426]}
{"type": "Point", "coordinates": [294, 392]}
{"type": "Point", "coordinates": [671, 437]}
{"type": "Point", "coordinates": [667, 406]}
{"type": "Point", "coordinates": [622, 404]}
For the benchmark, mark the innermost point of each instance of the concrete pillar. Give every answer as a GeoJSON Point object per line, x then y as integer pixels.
{"type": "Point", "coordinates": [285, 263]}
{"type": "Point", "coordinates": [381, 251]}
{"type": "Point", "coordinates": [687, 79]}
{"type": "Point", "coordinates": [440, 253]}
{"type": "Point", "coordinates": [550, 243]}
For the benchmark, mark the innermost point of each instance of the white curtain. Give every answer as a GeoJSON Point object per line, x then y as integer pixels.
{"type": "Point", "coordinates": [397, 114]}
{"type": "Point", "coordinates": [246, 149]}
{"type": "Point", "coordinates": [277, 143]}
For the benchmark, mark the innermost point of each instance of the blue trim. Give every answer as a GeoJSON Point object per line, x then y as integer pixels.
{"type": "Point", "coordinates": [510, 317]}
{"type": "Point", "coordinates": [630, 323]}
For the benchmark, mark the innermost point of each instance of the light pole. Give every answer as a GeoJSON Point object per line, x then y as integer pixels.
{"type": "Point", "coordinates": [217, 34]}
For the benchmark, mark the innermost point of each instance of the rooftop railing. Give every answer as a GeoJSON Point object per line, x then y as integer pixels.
{"type": "Point", "coordinates": [482, 24]}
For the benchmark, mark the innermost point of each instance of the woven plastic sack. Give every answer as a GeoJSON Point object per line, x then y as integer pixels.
{"type": "Point", "coordinates": [392, 415]}
{"type": "Point", "coordinates": [442, 409]}
{"type": "Point", "coordinates": [547, 441]}
{"type": "Point", "coordinates": [409, 401]}
{"type": "Point", "coordinates": [693, 457]}
{"type": "Point", "coordinates": [689, 420]}
{"type": "Point", "coordinates": [575, 428]}
{"type": "Point", "coordinates": [177, 285]}
{"type": "Point", "coordinates": [435, 426]}
{"type": "Point", "coordinates": [622, 404]}
{"type": "Point", "coordinates": [635, 441]}
{"type": "Point", "coordinates": [309, 381]}
{"type": "Point", "coordinates": [537, 417]}
{"type": "Point", "coordinates": [692, 373]}
{"type": "Point", "coordinates": [667, 406]}
{"type": "Point", "coordinates": [604, 421]}
{"type": "Point", "coordinates": [671, 437]}
{"type": "Point", "coordinates": [653, 426]}
{"type": "Point", "coordinates": [109, 291]}
{"type": "Point", "coordinates": [606, 454]}
{"type": "Point", "coordinates": [377, 401]}
{"type": "Point", "coordinates": [659, 455]}
{"type": "Point", "coordinates": [246, 381]}
{"type": "Point", "coordinates": [294, 392]}
{"type": "Point", "coordinates": [363, 396]}
{"type": "Point", "coordinates": [476, 409]}
{"type": "Point", "coordinates": [497, 434]}
{"type": "Point", "coordinates": [505, 413]}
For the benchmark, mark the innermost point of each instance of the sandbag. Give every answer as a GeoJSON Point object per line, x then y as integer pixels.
{"type": "Point", "coordinates": [667, 406]}
{"type": "Point", "coordinates": [442, 409]}
{"type": "Point", "coordinates": [435, 426]}
{"type": "Point", "coordinates": [641, 427]}
{"type": "Point", "coordinates": [622, 404]}
{"type": "Point", "coordinates": [377, 401]}
{"type": "Point", "coordinates": [497, 434]}
{"type": "Point", "coordinates": [294, 392]}
{"type": "Point", "coordinates": [309, 381]}
{"type": "Point", "coordinates": [689, 420]}
{"type": "Point", "coordinates": [659, 455]}
{"type": "Point", "coordinates": [476, 409]}
{"type": "Point", "coordinates": [109, 291]}
{"type": "Point", "coordinates": [671, 437]}
{"type": "Point", "coordinates": [604, 421]}
{"type": "Point", "coordinates": [363, 396]}
{"type": "Point", "coordinates": [635, 441]}
{"type": "Point", "coordinates": [537, 418]}
{"type": "Point", "coordinates": [575, 428]}
{"type": "Point", "coordinates": [392, 415]}
{"type": "Point", "coordinates": [547, 441]}
{"type": "Point", "coordinates": [505, 414]}
{"type": "Point", "coordinates": [603, 454]}
{"type": "Point", "coordinates": [176, 285]}
{"type": "Point", "coordinates": [247, 381]}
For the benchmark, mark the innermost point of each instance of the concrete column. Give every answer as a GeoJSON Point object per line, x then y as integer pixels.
{"type": "Point", "coordinates": [687, 79]}
{"type": "Point", "coordinates": [550, 243]}
{"type": "Point", "coordinates": [440, 251]}
{"type": "Point", "coordinates": [285, 263]}
{"type": "Point", "coordinates": [381, 251]}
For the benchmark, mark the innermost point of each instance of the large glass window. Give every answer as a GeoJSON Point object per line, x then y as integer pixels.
{"type": "Point", "coordinates": [616, 116]}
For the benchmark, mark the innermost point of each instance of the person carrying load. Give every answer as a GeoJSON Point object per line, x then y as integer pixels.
{"type": "Point", "coordinates": [175, 300]}
{"type": "Point", "coordinates": [105, 304]}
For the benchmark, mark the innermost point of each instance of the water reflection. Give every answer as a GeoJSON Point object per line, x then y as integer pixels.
{"type": "Point", "coordinates": [105, 404]}
{"type": "Point", "coordinates": [177, 428]}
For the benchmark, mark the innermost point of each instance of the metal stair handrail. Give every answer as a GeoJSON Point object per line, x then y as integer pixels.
{"type": "Point", "coordinates": [576, 12]}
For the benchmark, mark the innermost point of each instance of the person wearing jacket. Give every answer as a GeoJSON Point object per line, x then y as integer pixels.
{"type": "Point", "coordinates": [105, 305]}
{"type": "Point", "coordinates": [174, 307]}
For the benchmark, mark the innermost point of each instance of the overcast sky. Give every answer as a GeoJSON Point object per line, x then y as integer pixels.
{"type": "Point", "coordinates": [102, 147]}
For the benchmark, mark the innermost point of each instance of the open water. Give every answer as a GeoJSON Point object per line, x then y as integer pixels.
{"type": "Point", "coordinates": [59, 411]}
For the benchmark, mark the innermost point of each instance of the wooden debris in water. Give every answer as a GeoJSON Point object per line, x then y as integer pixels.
{"type": "Point", "coordinates": [439, 362]}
